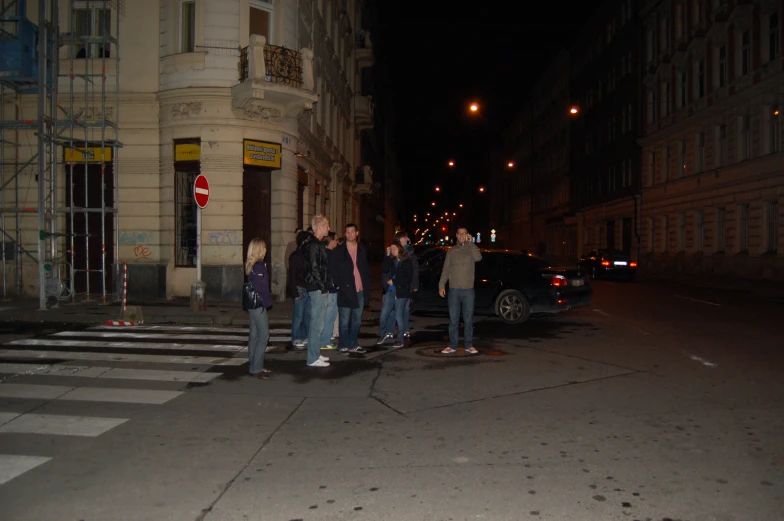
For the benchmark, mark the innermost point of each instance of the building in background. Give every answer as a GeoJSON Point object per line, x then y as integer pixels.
{"type": "Point", "coordinates": [605, 164]}
{"type": "Point", "coordinates": [265, 98]}
{"type": "Point", "coordinates": [713, 153]}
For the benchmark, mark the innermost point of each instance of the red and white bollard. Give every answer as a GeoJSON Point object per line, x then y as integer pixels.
{"type": "Point", "coordinates": [125, 288]}
{"type": "Point", "coordinates": [136, 311]}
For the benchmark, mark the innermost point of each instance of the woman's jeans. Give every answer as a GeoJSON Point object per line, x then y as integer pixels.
{"type": "Point", "coordinates": [329, 320]}
{"type": "Point", "coordinates": [301, 317]}
{"type": "Point", "coordinates": [258, 336]}
{"type": "Point", "coordinates": [387, 322]}
{"type": "Point", "coordinates": [401, 314]}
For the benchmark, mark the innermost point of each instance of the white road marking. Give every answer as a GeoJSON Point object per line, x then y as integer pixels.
{"type": "Point", "coordinates": [53, 370]}
{"type": "Point", "coordinates": [62, 425]}
{"type": "Point", "coordinates": [698, 300]}
{"type": "Point", "coordinates": [45, 342]}
{"type": "Point", "coordinates": [33, 392]}
{"type": "Point", "coordinates": [704, 362]}
{"type": "Point", "coordinates": [158, 375]}
{"type": "Point", "coordinates": [602, 312]}
{"type": "Point", "coordinates": [6, 417]}
{"type": "Point", "coordinates": [122, 357]}
{"type": "Point", "coordinates": [158, 336]}
{"type": "Point", "coordinates": [12, 465]}
{"type": "Point", "coordinates": [107, 394]}
{"type": "Point", "coordinates": [226, 330]}
{"type": "Point", "coordinates": [107, 372]}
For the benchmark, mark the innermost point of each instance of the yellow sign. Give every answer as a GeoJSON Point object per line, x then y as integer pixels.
{"type": "Point", "coordinates": [261, 153]}
{"type": "Point", "coordinates": [187, 152]}
{"type": "Point", "coordinates": [89, 155]}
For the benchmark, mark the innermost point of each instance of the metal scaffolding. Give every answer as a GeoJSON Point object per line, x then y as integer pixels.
{"type": "Point", "coordinates": [76, 133]}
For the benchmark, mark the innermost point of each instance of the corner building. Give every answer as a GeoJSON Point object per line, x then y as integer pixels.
{"type": "Point", "coordinates": [265, 98]}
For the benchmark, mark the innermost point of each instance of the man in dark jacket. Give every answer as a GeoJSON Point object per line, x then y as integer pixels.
{"type": "Point", "coordinates": [297, 291]}
{"type": "Point", "coordinates": [353, 283]}
{"type": "Point", "coordinates": [318, 282]}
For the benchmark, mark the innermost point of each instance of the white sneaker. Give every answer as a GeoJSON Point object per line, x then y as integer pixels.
{"type": "Point", "coordinates": [323, 358]}
{"type": "Point", "coordinates": [319, 363]}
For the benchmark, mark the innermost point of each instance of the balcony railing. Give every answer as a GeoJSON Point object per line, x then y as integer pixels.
{"type": "Point", "coordinates": [282, 65]}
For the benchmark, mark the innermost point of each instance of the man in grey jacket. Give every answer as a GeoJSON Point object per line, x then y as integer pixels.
{"type": "Point", "coordinates": [459, 272]}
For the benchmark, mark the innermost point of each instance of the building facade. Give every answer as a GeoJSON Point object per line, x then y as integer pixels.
{"type": "Point", "coordinates": [269, 99]}
{"type": "Point", "coordinates": [712, 140]}
{"type": "Point", "coordinates": [534, 188]}
{"type": "Point", "coordinates": [605, 165]}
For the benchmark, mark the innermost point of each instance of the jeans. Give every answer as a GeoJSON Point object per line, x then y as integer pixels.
{"type": "Point", "coordinates": [301, 317]}
{"type": "Point", "coordinates": [329, 319]}
{"type": "Point", "coordinates": [401, 314]}
{"type": "Point", "coordinates": [318, 310]}
{"type": "Point", "coordinates": [350, 322]}
{"type": "Point", "coordinates": [387, 320]}
{"type": "Point", "coordinates": [258, 336]}
{"type": "Point", "coordinates": [461, 298]}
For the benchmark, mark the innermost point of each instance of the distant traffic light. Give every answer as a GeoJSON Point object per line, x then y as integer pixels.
{"type": "Point", "coordinates": [443, 228]}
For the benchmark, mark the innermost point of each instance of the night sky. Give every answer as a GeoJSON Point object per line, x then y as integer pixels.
{"type": "Point", "coordinates": [433, 63]}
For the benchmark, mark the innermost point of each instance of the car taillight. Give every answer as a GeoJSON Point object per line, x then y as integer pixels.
{"type": "Point", "coordinates": [559, 281]}
{"type": "Point", "coordinates": [605, 263]}
{"type": "Point", "coordinates": [632, 264]}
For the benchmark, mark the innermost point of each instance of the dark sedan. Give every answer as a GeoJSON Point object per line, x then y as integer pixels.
{"type": "Point", "coordinates": [510, 284]}
{"type": "Point", "coordinates": [601, 263]}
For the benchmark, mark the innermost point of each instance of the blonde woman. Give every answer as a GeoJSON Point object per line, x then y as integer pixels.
{"type": "Point", "coordinates": [258, 321]}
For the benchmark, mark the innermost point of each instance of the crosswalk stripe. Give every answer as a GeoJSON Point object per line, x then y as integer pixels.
{"type": "Point", "coordinates": [123, 357]}
{"type": "Point", "coordinates": [12, 465]}
{"type": "Point", "coordinates": [107, 372]}
{"type": "Point", "coordinates": [165, 336]}
{"type": "Point", "coordinates": [44, 342]}
{"type": "Point", "coordinates": [57, 424]}
{"type": "Point", "coordinates": [86, 394]}
{"type": "Point", "coordinates": [204, 329]}
{"type": "Point", "coordinates": [6, 417]}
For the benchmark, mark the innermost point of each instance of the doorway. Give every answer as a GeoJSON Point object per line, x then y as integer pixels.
{"type": "Point", "coordinates": [256, 209]}
{"type": "Point", "coordinates": [92, 273]}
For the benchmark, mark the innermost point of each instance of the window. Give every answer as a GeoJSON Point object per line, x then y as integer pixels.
{"type": "Point", "coordinates": [651, 235]}
{"type": "Point", "coordinates": [629, 115]}
{"type": "Point", "coordinates": [666, 164]}
{"type": "Point", "coordinates": [665, 99]}
{"type": "Point", "coordinates": [664, 33]}
{"type": "Point", "coordinates": [722, 69]}
{"type": "Point", "coordinates": [699, 154]}
{"type": "Point", "coordinates": [94, 22]}
{"type": "Point", "coordinates": [683, 80]}
{"type": "Point", "coordinates": [665, 232]}
{"type": "Point", "coordinates": [744, 138]}
{"type": "Point", "coordinates": [772, 227]}
{"type": "Point", "coordinates": [188, 26]}
{"type": "Point", "coordinates": [745, 52]}
{"type": "Point", "coordinates": [699, 231]}
{"type": "Point", "coordinates": [678, 20]}
{"type": "Point", "coordinates": [682, 159]}
{"type": "Point", "coordinates": [721, 229]}
{"type": "Point", "coordinates": [721, 146]}
{"type": "Point", "coordinates": [651, 102]}
{"type": "Point", "coordinates": [773, 36]}
{"type": "Point", "coordinates": [652, 167]}
{"type": "Point", "coordinates": [628, 171]}
{"type": "Point", "coordinates": [259, 20]}
{"type": "Point", "coordinates": [185, 214]}
{"type": "Point", "coordinates": [743, 228]}
{"type": "Point", "coordinates": [623, 121]}
{"type": "Point", "coordinates": [697, 12]}
{"type": "Point", "coordinates": [774, 130]}
{"type": "Point", "coordinates": [649, 45]}
{"type": "Point", "coordinates": [681, 239]}
{"type": "Point", "coordinates": [700, 79]}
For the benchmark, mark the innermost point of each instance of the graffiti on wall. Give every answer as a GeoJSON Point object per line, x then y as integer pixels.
{"type": "Point", "coordinates": [224, 238]}
{"type": "Point", "coordinates": [136, 237]}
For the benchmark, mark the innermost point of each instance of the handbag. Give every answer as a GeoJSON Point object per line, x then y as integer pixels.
{"type": "Point", "coordinates": [250, 298]}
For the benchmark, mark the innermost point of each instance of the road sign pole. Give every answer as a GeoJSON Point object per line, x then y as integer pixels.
{"type": "Point", "coordinates": [198, 244]}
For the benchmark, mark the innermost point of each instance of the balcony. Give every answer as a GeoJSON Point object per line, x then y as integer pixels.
{"type": "Point", "coordinates": [275, 82]}
{"type": "Point", "coordinates": [363, 180]}
{"type": "Point", "coordinates": [364, 52]}
{"type": "Point", "coordinates": [363, 112]}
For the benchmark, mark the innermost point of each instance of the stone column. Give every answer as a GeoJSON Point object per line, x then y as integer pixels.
{"type": "Point", "coordinates": [257, 69]}
{"type": "Point", "coordinates": [284, 218]}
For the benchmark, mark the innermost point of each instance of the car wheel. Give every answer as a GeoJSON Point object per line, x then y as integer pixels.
{"type": "Point", "coordinates": [512, 307]}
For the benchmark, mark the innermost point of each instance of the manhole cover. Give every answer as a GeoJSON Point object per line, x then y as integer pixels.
{"type": "Point", "coordinates": [434, 349]}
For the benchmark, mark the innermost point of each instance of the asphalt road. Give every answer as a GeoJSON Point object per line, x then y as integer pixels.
{"type": "Point", "coordinates": [654, 403]}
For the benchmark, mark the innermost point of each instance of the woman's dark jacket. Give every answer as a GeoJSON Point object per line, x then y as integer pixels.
{"type": "Point", "coordinates": [403, 274]}
{"type": "Point", "coordinates": [258, 276]}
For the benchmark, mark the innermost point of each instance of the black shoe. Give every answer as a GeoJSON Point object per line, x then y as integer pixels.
{"type": "Point", "coordinates": [398, 344]}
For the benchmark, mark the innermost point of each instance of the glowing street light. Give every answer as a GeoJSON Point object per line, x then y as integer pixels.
{"type": "Point", "coordinates": [510, 164]}
{"type": "Point", "coordinates": [433, 203]}
{"type": "Point", "coordinates": [461, 205]}
{"type": "Point", "coordinates": [474, 107]}
{"type": "Point", "coordinates": [438, 188]}
{"type": "Point", "coordinates": [481, 189]}
{"type": "Point", "coordinates": [574, 110]}
{"type": "Point", "coordinates": [451, 163]}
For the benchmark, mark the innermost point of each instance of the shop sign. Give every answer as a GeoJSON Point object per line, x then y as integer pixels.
{"type": "Point", "coordinates": [187, 152]}
{"type": "Point", "coordinates": [89, 155]}
{"type": "Point", "coordinates": [261, 153]}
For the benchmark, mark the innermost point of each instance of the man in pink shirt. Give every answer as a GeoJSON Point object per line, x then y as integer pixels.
{"type": "Point", "coordinates": [352, 280]}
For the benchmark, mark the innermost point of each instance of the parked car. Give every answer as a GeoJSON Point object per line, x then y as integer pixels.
{"type": "Point", "coordinates": [603, 262]}
{"type": "Point", "coordinates": [510, 284]}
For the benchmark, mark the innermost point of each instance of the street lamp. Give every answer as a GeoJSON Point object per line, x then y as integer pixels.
{"type": "Point", "coordinates": [433, 203]}
{"type": "Point", "coordinates": [481, 189]}
{"type": "Point", "coordinates": [438, 188]}
{"type": "Point", "coordinates": [510, 164]}
{"type": "Point", "coordinates": [574, 110]}
{"type": "Point", "coordinates": [474, 107]}
{"type": "Point", "coordinates": [461, 205]}
{"type": "Point", "coordinates": [451, 163]}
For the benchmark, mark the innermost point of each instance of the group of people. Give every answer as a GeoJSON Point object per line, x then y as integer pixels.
{"type": "Point", "coordinates": [329, 282]}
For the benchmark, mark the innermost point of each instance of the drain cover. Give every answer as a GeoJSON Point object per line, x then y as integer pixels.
{"type": "Point", "coordinates": [434, 349]}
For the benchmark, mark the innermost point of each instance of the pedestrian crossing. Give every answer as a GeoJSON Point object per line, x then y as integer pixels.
{"type": "Point", "coordinates": [66, 356]}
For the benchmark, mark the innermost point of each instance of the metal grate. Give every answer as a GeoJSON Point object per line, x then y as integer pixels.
{"type": "Point", "coordinates": [184, 218]}
{"type": "Point", "coordinates": [243, 65]}
{"type": "Point", "coordinates": [283, 66]}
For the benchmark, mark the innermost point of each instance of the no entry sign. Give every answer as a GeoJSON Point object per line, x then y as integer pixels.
{"type": "Point", "coordinates": [201, 191]}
